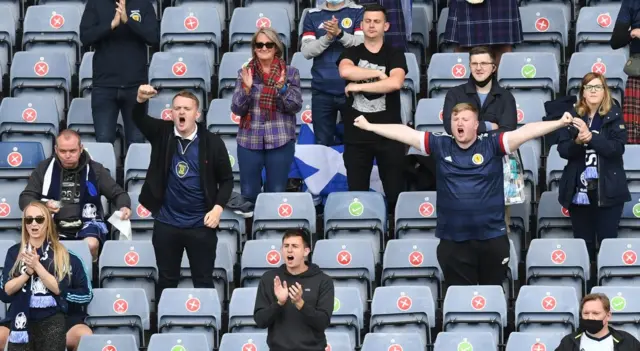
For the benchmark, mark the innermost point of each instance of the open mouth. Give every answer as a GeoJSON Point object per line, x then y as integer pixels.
{"type": "Point", "coordinates": [290, 258]}
{"type": "Point", "coordinates": [460, 131]}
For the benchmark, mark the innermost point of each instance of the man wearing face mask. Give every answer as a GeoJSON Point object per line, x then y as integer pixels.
{"type": "Point", "coordinates": [594, 332]}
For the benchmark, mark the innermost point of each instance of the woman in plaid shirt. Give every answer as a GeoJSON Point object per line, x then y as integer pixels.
{"type": "Point", "coordinates": [267, 97]}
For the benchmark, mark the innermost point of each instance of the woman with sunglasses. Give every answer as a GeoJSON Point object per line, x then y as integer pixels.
{"type": "Point", "coordinates": [593, 186]}
{"type": "Point", "coordinates": [36, 275]}
{"type": "Point", "coordinates": [267, 97]}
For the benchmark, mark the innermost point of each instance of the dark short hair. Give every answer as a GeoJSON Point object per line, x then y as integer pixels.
{"type": "Point", "coordinates": [292, 233]}
{"type": "Point", "coordinates": [376, 8]}
{"type": "Point", "coordinates": [480, 50]}
{"type": "Point", "coordinates": [606, 305]}
{"type": "Point", "coordinates": [189, 95]}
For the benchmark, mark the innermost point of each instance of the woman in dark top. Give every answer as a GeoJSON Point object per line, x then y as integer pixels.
{"type": "Point", "coordinates": [593, 186]}
{"type": "Point", "coordinates": [626, 32]}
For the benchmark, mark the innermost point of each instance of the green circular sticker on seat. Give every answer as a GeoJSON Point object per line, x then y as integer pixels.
{"type": "Point", "coordinates": [618, 303]}
{"type": "Point", "coordinates": [178, 348]}
{"type": "Point", "coordinates": [356, 208]}
{"type": "Point", "coordinates": [465, 346]}
{"type": "Point", "coordinates": [336, 304]}
{"type": "Point", "coordinates": [636, 210]}
{"type": "Point", "coordinates": [232, 160]}
{"type": "Point", "coordinates": [528, 71]}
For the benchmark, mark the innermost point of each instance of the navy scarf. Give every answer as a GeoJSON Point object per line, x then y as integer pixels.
{"type": "Point", "coordinates": [588, 177]}
{"type": "Point", "coordinates": [34, 294]}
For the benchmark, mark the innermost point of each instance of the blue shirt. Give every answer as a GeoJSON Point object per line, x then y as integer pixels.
{"type": "Point", "coordinates": [470, 187]}
{"type": "Point", "coordinates": [482, 98]}
{"type": "Point", "coordinates": [184, 202]}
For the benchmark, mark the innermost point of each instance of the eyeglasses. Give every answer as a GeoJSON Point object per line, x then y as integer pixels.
{"type": "Point", "coordinates": [480, 64]}
{"type": "Point", "coordinates": [30, 220]}
{"type": "Point", "coordinates": [597, 87]}
{"type": "Point", "coordinates": [268, 45]}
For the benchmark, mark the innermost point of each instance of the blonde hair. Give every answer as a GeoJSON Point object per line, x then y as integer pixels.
{"type": "Point", "coordinates": [582, 108]}
{"type": "Point", "coordinates": [61, 255]}
{"type": "Point", "coordinates": [463, 106]}
{"type": "Point", "coordinates": [273, 36]}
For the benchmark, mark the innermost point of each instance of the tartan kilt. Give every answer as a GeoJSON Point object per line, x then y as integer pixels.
{"type": "Point", "coordinates": [631, 109]}
{"type": "Point", "coordinates": [488, 23]}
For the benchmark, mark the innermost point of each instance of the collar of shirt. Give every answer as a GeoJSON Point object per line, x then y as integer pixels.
{"type": "Point", "coordinates": [190, 137]}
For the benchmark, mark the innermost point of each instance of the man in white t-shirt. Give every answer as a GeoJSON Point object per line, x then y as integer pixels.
{"type": "Point", "coordinates": [594, 332]}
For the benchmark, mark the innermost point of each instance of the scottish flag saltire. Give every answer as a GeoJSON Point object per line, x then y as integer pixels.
{"type": "Point", "coordinates": [322, 167]}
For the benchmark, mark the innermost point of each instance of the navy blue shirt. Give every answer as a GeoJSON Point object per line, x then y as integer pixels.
{"type": "Point", "coordinates": [470, 186]}
{"type": "Point", "coordinates": [184, 203]}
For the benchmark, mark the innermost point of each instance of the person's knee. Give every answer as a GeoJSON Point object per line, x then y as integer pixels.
{"type": "Point", "coordinates": [75, 334]}
{"type": "Point", "coordinates": [4, 335]}
{"type": "Point", "coordinates": [94, 246]}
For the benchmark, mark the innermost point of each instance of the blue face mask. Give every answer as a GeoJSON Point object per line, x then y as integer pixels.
{"type": "Point", "coordinates": [335, 2]}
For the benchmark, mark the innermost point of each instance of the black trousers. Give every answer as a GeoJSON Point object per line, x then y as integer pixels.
{"type": "Point", "coordinates": [169, 244]}
{"type": "Point", "coordinates": [594, 224]}
{"type": "Point", "coordinates": [474, 262]}
{"type": "Point", "coordinates": [49, 334]}
{"type": "Point", "coordinates": [389, 155]}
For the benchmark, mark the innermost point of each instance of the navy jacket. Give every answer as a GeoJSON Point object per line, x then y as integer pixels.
{"type": "Point", "coordinates": [609, 146]}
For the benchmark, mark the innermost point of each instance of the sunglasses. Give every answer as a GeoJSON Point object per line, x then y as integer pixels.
{"type": "Point", "coordinates": [30, 220]}
{"type": "Point", "coordinates": [268, 45]}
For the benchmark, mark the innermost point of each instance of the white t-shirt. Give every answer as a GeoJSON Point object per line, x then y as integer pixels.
{"type": "Point", "coordinates": [590, 343]}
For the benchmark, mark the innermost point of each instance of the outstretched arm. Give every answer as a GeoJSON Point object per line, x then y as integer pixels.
{"type": "Point", "coordinates": [535, 130]}
{"type": "Point", "coordinates": [399, 132]}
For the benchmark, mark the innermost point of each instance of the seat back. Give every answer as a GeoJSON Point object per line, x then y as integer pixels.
{"type": "Point", "coordinates": [429, 116]}
{"type": "Point", "coordinates": [230, 64]}
{"type": "Point", "coordinates": [179, 341]}
{"type": "Point", "coordinates": [629, 224]}
{"type": "Point", "coordinates": [544, 28]}
{"type": "Point", "coordinates": [553, 219]}
{"type": "Point", "coordinates": [135, 165]}
{"type": "Point", "coordinates": [182, 70]}
{"type": "Point", "coordinates": [160, 107]}
{"type": "Point", "coordinates": [625, 307]}
{"type": "Point", "coordinates": [618, 262]}
{"type": "Point", "coordinates": [241, 311]}
{"type": "Point", "coordinates": [530, 72]}
{"type": "Point", "coordinates": [30, 118]}
{"type": "Point", "coordinates": [10, 213]}
{"type": "Point", "coordinates": [631, 167]}
{"type": "Point", "coordinates": [594, 27]}
{"type": "Point", "coordinates": [246, 20]}
{"type": "Point", "coordinates": [222, 271]}
{"type": "Point", "coordinates": [445, 71]}
{"type": "Point", "coordinates": [534, 341]}
{"type": "Point", "coordinates": [186, 28]}
{"type": "Point", "coordinates": [7, 36]}
{"type": "Point", "coordinates": [338, 341]}
{"type": "Point", "coordinates": [18, 159]}
{"type": "Point", "coordinates": [85, 74]}
{"type": "Point", "coordinates": [416, 214]}
{"type": "Point", "coordinates": [221, 120]}
{"type": "Point", "coordinates": [79, 117]}
{"type": "Point", "coordinates": [276, 212]}
{"type": "Point", "coordinates": [393, 342]}
{"type": "Point", "coordinates": [244, 341]}
{"type": "Point", "coordinates": [53, 24]}
{"type": "Point", "coordinates": [609, 63]}
{"type": "Point", "coordinates": [348, 313]}
{"type": "Point", "coordinates": [547, 309]}
{"type": "Point", "coordinates": [304, 68]}
{"type": "Point", "coordinates": [108, 342]}
{"type": "Point", "coordinates": [554, 169]}
{"type": "Point", "coordinates": [530, 110]}
{"type": "Point", "coordinates": [465, 341]}
{"type": "Point", "coordinates": [259, 257]}
{"type": "Point", "coordinates": [104, 154]}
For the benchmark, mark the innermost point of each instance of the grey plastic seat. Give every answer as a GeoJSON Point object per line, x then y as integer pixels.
{"type": "Point", "coordinates": [547, 309]}
{"type": "Point", "coordinates": [393, 342]}
{"type": "Point", "coordinates": [7, 36]}
{"type": "Point", "coordinates": [231, 230]}
{"type": "Point", "coordinates": [222, 272]}
{"type": "Point", "coordinates": [594, 27]}
{"type": "Point", "coordinates": [544, 28]}
{"type": "Point", "coordinates": [241, 312]}
{"type": "Point", "coordinates": [244, 341]}
{"type": "Point", "coordinates": [18, 159]}
{"type": "Point", "coordinates": [348, 313]}
{"type": "Point", "coordinates": [403, 309]}
{"type": "Point", "coordinates": [108, 342]}
{"type": "Point", "coordinates": [304, 68]}
{"type": "Point", "coordinates": [475, 309]}
{"type": "Point", "coordinates": [446, 71]}
{"type": "Point", "coordinates": [429, 115]}
{"type": "Point", "coordinates": [135, 166]}
{"type": "Point", "coordinates": [10, 214]}
{"type": "Point", "coordinates": [530, 165]}
{"type": "Point", "coordinates": [338, 341]}
{"type": "Point", "coordinates": [190, 311]}
{"type": "Point", "coordinates": [276, 212]}
{"type": "Point", "coordinates": [625, 307]}
{"type": "Point", "coordinates": [631, 167]}
{"type": "Point", "coordinates": [422, 21]}
{"type": "Point", "coordinates": [41, 74]}
{"type": "Point", "coordinates": [192, 29]}
{"type": "Point", "coordinates": [357, 215]}
{"type": "Point", "coordinates": [553, 219]}
{"type": "Point", "coordinates": [609, 63]}
{"type": "Point", "coordinates": [178, 341]}
{"type": "Point", "coordinates": [246, 20]}
{"type": "Point", "coordinates": [554, 168]}
{"type": "Point", "coordinates": [221, 120]}
{"type": "Point", "coordinates": [530, 110]}
{"type": "Point", "coordinates": [618, 262]}
{"type": "Point", "coordinates": [413, 262]}
{"type": "Point", "coordinates": [558, 262]}
{"type": "Point", "coordinates": [441, 25]}
{"type": "Point", "coordinates": [259, 257]}
{"type": "Point", "coordinates": [160, 107]}
{"type": "Point", "coordinates": [534, 341]}
{"type": "Point", "coordinates": [304, 116]}
{"type": "Point", "coordinates": [289, 5]}
{"type": "Point", "coordinates": [410, 89]}
{"type": "Point", "coordinates": [232, 149]}
{"type": "Point", "coordinates": [471, 340]}
{"type": "Point", "coordinates": [529, 75]}
{"type": "Point", "coordinates": [104, 154]}
{"type": "Point", "coordinates": [85, 75]}
{"type": "Point", "coordinates": [80, 119]}
{"type": "Point", "coordinates": [230, 64]}
{"type": "Point", "coordinates": [81, 249]}
{"type": "Point", "coordinates": [141, 219]}
{"type": "Point", "coordinates": [416, 214]}
{"type": "Point", "coordinates": [30, 118]}
{"type": "Point", "coordinates": [119, 311]}
{"type": "Point", "coordinates": [629, 226]}
{"type": "Point", "coordinates": [129, 264]}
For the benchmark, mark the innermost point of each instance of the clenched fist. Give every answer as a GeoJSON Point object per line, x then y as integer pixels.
{"type": "Point", "coordinates": [146, 92]}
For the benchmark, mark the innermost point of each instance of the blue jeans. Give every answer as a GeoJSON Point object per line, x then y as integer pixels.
{"type": "Point", "coordinates": [324, 110]}
{"type": "Point", "coordinates": [277, 163]}
{"type": "Point", "coordinates": [106, 103]}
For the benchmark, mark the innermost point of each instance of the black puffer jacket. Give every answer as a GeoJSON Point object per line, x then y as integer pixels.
{"type": "Point", "coordinates": [622, 341]}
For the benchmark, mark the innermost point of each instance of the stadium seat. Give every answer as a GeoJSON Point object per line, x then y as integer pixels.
{"type": "Point", "coordinates": [244, 341]}
{"type": "Point", "coordinates": [291, 6]}
{"type": "Point", "coordinates": [246, 20]}
{"type": "Point", "coordinates": [519, 227]}
{"type": "Point", "coordinates": [191, 311]}
{"type": "Point", "coordinates": [80, 119]}
{"type": "Point", "coordinates": [170, 72]}
{"type": "Point", "coordinates": [232, 148]}
{"type": "Point", "coordinates": [129, 264]}
{"type": "Point", "coordinates": [618, 262]}
{"type": "Point", "coordinates": [108, 342]}
{"type": "Point", "coordinates": [446, 70]}
{"type": "Point", "coordinates": [231, 230]}
{"type": "Point", "coordinates": [85, 75]}
{"type": "Point", "coordinates": [348, 313]}
{"type": "Point", "coordinates": [609, 63]}
{"type": "Point", "coordinates": [559, 262]}
{"type": "Point", "coordinates": [42, 75]}
{"type": "Point", "coordinates": [533, 341]}
{"type": "Point", "coordinates": [141, 219]}
{"type": "Point", "coordinates": [18, 160]}
{"type": "Point", "coordinates": [393, 342]}
{"type": "Point", "coordinates": [403, 309]}
{"type": "Point", "coordinates": [349, 262]}
{"type": "Point", "coordinates": [223, 8]}
{"type": "Point", "coordinates": [413, 262]}
{"type": "Point", "coordinates": [181, 31]}
{"type": "Point", "coordinates": [277, 212]}
{"type": "Point", "coordinates": [222, 272]}
{"type": "Point", "coordinates": [547, 309]}
{"type": "Point", "coordinates": [357, 215]}
{"type": "Point", "coordinates": [632, 167]}
{"type": "Point", "coordinates": [594, 27]}
{"type": "Point", "coordinates": [221, 120]}
{"type": "Point", "coordinates": [421, 21]}
{"type": "Point", "coordinates": [545, 29]}
{"type": "Point", "coordinates": [241, 312]}
{"type": "Point", "coordinates": [410, 89]}
{"type": "Point", "coordinates": [304, 116]}
{"type": "Point", "coordinates": [119, 311]}
{"type": "Point", "coordinates": [508, 284]}
{"type": "Point", "coordinates": [29, 118]}
{"type": "Point", "coordinates": [81, 249]}
{"type": "Point", "coordinates": [135, 166]}
{"type": "Point", "coordinates": [259, 257]}
{"type": "Point", "coordinates": [160, 107]}
{"type": "Point", "coordinates": [555, 167]}
{"type": "Point", "coordinates": [553, 219]}
{"type": "Point", "coordinates": [629, 226]}
{"type": "Point", "coordinates": [304, 68]}
{"type": "Point", "coordinates": [338, 341]}
{"type": "Point", "coordinates": [4, 247]}
{"type": "Point", "coordinates": [104, 154]}
{"type": "Point", "coordinates": [10, 213]}
{"type": "Point", "coordinates": [530, 110]}
{"type": "Point", "coordinates": [443, 47]}
{"type": "Point", "coordinates": [475, 308]}
{"type": "Point", "coordinates": [530, 166]}
{"type": "Point", "coordinates": [230, 64]}
{"type": "Point", "coordinates": [416, 214]}
{"type": "Point", "coordinates": [518, 72]}
{"type": "Point", "coordinates": [7, 36]}
{"type": "Point", "coordinates": [178, 341]}
{"type": "Point", "coordinates": [471, 340]}
{"type": "Point", "coordinates": [428, 117]}
{"type": "Point", "coordinates": [560, 6]}
{"type": "Point", "coordinates": [625, 307]}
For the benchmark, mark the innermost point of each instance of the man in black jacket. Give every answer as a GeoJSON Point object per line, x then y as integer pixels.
{"type": "Point", "coordinates": [594, 333]}
{"type": "Point", "coordinates": [71, 184]}
{"type": "Point", "coordinates": [188, 183]}
{"type": "Point", "coordinates": [295, 300]}
{"type": "Point", "coordinates": [119, 31]}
